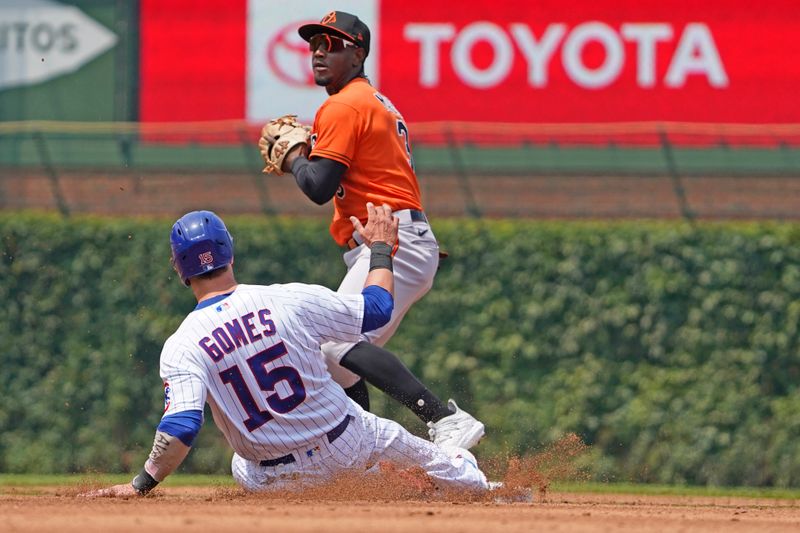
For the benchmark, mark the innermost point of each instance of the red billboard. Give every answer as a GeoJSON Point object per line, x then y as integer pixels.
{"type": "Point", "coordinates": [546, 61]}
{"type": "Point", "coordinates": [594, 61]}
{"type": "Point", "coordinates": [192, 60]}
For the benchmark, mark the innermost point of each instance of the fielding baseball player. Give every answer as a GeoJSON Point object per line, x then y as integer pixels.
{"type": "Point", "coordinates": [359, 153]}
{"type": "Point", "coordinates": [253, 353]}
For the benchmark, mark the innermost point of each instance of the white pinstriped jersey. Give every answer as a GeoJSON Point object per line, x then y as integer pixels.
{"type": "Point", "coordinates": [254, 355]}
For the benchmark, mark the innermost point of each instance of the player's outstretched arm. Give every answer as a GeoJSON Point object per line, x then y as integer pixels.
{"type": "Point", "coordinates": [380, 236]}
{"type": "Point", "coordinates": [169, 451]}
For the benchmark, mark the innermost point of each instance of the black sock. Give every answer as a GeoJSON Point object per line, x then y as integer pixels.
{"type": "Point", "coordinates": [385, 371]}
{"type": "Point", "coordinates": [359, 394]}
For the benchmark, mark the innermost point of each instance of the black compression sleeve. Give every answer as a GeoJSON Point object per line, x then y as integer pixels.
{"type": "Point", "coordinates": [359, 393]}
{"type": "Point", "coordinates": [318, 178]}
{"type": "Point", "coordinates": [382, 369]}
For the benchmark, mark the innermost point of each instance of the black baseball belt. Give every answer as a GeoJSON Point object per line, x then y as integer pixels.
{"type": "Point", "coordinates": [332, 435]}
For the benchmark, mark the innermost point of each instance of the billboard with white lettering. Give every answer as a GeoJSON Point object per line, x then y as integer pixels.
{"type": "Point", "coordinates": [544, 61]}
{"type": "Point", "coordinates": [594, 61]}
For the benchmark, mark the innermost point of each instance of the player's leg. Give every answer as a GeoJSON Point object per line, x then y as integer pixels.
{"type": "Point", "coordinates": [449, 425]}
{"type": "Point", "coordinates": [450, 467]}
{"type": "Point", "coordinates": [415, 266]}
{"type": "Point", "coordinates": [318, 462]}
{"type": "Point", "coordinates": [359, 393]}
{"type": "Point", "coordinates": [386, 371]}
{"type": "Point", "coordinates": [252, 477]}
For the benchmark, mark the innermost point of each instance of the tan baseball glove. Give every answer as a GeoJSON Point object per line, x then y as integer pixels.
{"type": "Point", "coordinates": [278, 137]}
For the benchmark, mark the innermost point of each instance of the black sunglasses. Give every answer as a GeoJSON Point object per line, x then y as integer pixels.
{"type": "Point", "coordinates": [329, 43]}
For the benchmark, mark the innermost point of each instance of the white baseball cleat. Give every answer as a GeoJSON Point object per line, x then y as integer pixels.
{"type": "Point", "coordinates": [460, 429]}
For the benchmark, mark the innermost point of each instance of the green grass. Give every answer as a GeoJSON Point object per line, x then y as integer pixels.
{"type": "Point", "coordinates": [178, 480]}
{"type": "Point", "coordinates": [677, 490]}
{"type": "Point", "coordinates": [186, 480]}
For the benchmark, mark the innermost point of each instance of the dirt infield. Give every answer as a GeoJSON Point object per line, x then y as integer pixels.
{"type": "Point", "coordinates": [24, 509]}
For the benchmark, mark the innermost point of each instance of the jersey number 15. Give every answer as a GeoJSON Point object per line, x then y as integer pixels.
{"type": "Point", "coordinates": [267, 380]}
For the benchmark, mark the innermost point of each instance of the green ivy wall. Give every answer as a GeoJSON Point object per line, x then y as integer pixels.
{"type": "Point", "coordinates": [672, 350]}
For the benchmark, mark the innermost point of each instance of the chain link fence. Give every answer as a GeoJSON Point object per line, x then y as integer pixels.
{"type": "Point", "coordinates": [626, 170]}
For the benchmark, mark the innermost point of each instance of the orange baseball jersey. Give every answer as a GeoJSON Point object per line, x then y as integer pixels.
{"type": "Point", "coordinates": [360, 128]}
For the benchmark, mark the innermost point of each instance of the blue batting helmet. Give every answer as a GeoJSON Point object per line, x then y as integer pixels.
{"type": "Point", "coordinates": [200, 243]}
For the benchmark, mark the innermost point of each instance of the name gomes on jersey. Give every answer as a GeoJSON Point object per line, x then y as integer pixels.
{"type": "Point", "coordinates": [237, 333]}
{"type": "Point", "coordinates": [243, 331]}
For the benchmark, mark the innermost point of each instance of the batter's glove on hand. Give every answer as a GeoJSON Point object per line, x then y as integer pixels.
{"type": "Point", "coordinates": [278, 137]}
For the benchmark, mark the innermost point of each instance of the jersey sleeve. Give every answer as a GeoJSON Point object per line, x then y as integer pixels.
{"type": "Point", "coordinates": [336, 129]}
{"type": "Point", "coordinates": [185, 386]}
{"type": "Point", "coordinates": [328, 315]}
{"type": "Point", "coordinates": [378, 307]}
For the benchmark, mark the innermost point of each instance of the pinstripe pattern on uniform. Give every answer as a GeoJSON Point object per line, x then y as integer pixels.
{"type": "Point", "coordinates": [367, 440]}
{"type": "Point", "coordinates": [303, 316]}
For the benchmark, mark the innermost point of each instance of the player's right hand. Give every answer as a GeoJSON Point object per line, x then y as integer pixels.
{"type": "Point", "coordinates": [381, 225]}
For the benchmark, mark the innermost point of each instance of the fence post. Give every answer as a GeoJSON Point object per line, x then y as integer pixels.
{"type": "Point", "coordinates": [52, 175]}
{"type": "Point", "coordinates": [259, 181]}
{"type": "Point", "coordinates": [672, 171]}
{"type": "Point", "coordinates": [125, 144]}
{"type": "Point", "coordinates": [461, 173]}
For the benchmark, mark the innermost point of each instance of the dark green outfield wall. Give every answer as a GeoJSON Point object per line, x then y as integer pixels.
{"type": "Point", "coordinates": [673, 351]}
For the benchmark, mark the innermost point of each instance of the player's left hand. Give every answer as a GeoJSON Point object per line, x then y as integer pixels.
{"type": "Point", "coordinates": [117, 491]}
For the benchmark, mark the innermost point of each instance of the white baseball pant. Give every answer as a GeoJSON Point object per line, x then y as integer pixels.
{"type": "Point", "coordinates": [414, 267]}
{"type": "Point", "coordinates": [367, 440]}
